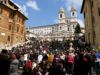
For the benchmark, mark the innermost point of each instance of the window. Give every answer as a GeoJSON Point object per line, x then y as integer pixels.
{"type": "Point", "coordinates": [73, 14]}
{"type": "Point", "coordinates": [99, 11]}
{"type": "Point", "coordinates": [0, 11]}
{"type": "Point", "coordinates": [17, 29]}
{"type": "Point", "coordinates": [5, 1]}
{"type": "Point", "coordinates": [22, 30]}
{"type": "Point", "coordinates": [60, 28]}
{"type": "Point", "coordinates": [93, 19]}
{"type": "Point", "coordinates": [9, 26]}
{"type": "Point", "coordinates": [17, 39]}
{"type": "Point", "coordinates": [11, 15]}
{"type": "Point", "coordinates": [91, 3]}
{"type": "Point", "coordinates": [1, 1]}
{"type": "Point", "coordinates": [17, 18]}
{"type": "Point", "coordinates": [84, 14]}
{"type": "Point", "coordinates": [60, 15]}
{"type": "Point", "coordinates": [68, 28]}
{"type": "Point", "coordinates": [8, 39]}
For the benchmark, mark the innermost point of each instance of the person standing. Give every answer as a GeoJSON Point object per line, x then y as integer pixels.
{"type": "Point", "coordinates": [70, 61]}
{"type": "Point", "coordinates": [97, 63]}
{"type": "Point", "coordinates": [80, 65]}
{"type": "Point", "coordinates": [13, 65]}
{"type": "Point", "coordinates": [4, 62]}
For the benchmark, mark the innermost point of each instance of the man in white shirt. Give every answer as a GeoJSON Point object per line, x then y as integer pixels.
{"type": "Point", "coordinates": [40, 56]}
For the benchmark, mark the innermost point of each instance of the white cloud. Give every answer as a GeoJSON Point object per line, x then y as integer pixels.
{"type": "Point", "coordinates": [22, 9]}
{"type": "Point", "coordinates": [33, 5]}
{"type": "Point", "coordinates": [81, 22]}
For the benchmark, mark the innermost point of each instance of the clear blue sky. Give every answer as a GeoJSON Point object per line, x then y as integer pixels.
{"type": "Point", "coordinates": [45, 12]}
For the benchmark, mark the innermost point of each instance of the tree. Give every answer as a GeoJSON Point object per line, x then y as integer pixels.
{"type": "Point", "coordinates": [77, 29]}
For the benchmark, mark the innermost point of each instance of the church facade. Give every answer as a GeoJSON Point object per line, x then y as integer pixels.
{"type": "Point", "coordinates": [64, 29]}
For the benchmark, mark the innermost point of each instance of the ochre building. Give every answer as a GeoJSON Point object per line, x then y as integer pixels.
{"type": "Point", "coordinates": [91, 11]}
{"type": "Point", "coordinates": [12, 24]}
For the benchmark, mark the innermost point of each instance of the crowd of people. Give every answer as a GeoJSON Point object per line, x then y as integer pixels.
{"type": "Point", "coordinates": [39, 58]}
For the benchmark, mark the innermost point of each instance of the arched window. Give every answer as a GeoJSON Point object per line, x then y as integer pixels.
{"type": "Point", "coordinates": [60, 27]}
{"type": "Point", "coordinates": [73, 14]}
{"type": "Point", "coordinates": [68, 28]}
{"type": "Point", "coordinates": [1, 1]}
{"type": "Point", "coordinates": [60, 15]}
{"type": "Point", "coordinates": [8, 38]}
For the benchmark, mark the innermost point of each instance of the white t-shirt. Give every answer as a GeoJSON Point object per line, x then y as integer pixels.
{"type": "Point", "coordinates": [34, 65]}
{"type": "Point", "coordinates": [40, 58]}
{"type": "Point", "coordinates": [25, 57]}
{"type": "Point", "coordinates": [62, 57]}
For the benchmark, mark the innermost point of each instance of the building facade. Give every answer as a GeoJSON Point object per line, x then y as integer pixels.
{"type": "Point", "coordinates": [64, 29]}
{"type": "Point", "coordinates": [91, 11]}
{"type": "Point", "coordinates": [12, 24]}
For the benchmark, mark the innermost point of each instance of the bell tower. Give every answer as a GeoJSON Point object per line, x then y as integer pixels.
{"type": "Point", "coordinates": [61, 16]}
{"type": "Point", "coordinates": [73, 13]}
{"type": "Point", "coordinates": [74, 20]}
